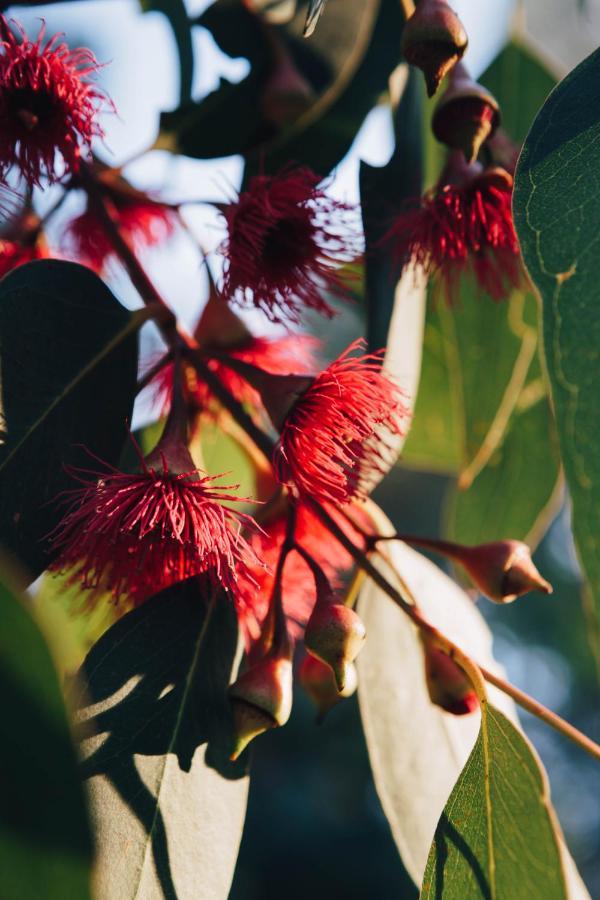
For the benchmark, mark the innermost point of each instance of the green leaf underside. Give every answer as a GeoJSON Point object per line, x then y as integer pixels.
{"type": "Point", "coordinates": [68, 353]}
{"type": "Point", "coordinates": [496, 838]}
{"type": "Point", "coordinates": [480, 361]}
{"type": "Point", "coordinates": [168, 804]}
{"type": "Point", "coordinates": [557, 216]}
{"type": "Point", "coordinates": [45, 841]}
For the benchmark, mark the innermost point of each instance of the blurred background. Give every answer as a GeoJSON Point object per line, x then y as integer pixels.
{"type": "Point", "coordinates": [314, 822]}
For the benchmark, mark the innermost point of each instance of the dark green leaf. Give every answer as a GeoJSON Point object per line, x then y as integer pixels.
{"type": "Point", "coordinates": [496, 837]}
{"type": "Point", "coordinates": [557, 215]}
{"type": "Point", "coordinates": [45, 841]}
{"type": "Point", "coordinates": [347, 63]}
{"type": "Point", "coordinates": [359, 43]}
{"type": "Point", "coordinates": [68, 354]}
{"type": "Point", "coordinates": [176, 13]}
{"type": "Point", "coordinates": [168, 803]}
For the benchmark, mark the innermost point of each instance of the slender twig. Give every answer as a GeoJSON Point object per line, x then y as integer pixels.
{"type": "Point", "coordinates": [176, 337]}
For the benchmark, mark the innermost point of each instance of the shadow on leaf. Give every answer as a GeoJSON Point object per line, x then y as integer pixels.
{"type": "Point", "coordinates": [155, 692]}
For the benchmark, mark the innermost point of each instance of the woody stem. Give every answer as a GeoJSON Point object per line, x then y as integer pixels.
{"type": "Point", "coordinates": [177, 338]}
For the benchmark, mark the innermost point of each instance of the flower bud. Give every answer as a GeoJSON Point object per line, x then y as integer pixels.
{"type": "Point", "coordinates": [286, 93]}
{"type": "Point", "coordinates": [261, 699]}
{"type": "Point", "coordinates": [502, 570]}
{"type": "Point", "coordinates": [466, 114]}
{"type": "Point", "coordinates": [317, 680]}
{"type": "Point", "coordinates": [335, 635]}
{"type": "Point", "coordinates": [433, 40]}
{"type": "Point", "coordinates": [447, 684]}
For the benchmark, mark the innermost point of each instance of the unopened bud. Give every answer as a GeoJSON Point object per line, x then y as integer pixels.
{"type": "Point", "coordinates": [447, 684]}
{"type": "Point", "coordinates": [502, 570]}
{"type": "Point", "coordinates": [433, 40]}
{"type": "Point", "coordinates": [317, 679]}
{"type": "Point", "coordinates": [466, 114]}
{"type": "Point", "coordinates": [335, 635]}
{"type": "Point", "coordinates": [261, 699]}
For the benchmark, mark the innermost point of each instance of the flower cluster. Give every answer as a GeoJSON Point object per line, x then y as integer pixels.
{"type": "Point", "coordinates": [288, 249]}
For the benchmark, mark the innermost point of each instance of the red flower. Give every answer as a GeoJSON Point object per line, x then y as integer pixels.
{"type": "Point", "coordinates": [144, 222]}
{"type": "Point", "coordinates": [140, 533]}
{"type": "Point", "coordinates": [285, 240]}
{"type": "Point", "coordinates": [332, 440]}
{"type": "Point", "coordinates": [299, 594]}
{"type": "Point", "coordinates": [47, 104]}
{"type": "Point", "coordinates": [21, 241]}
{"type": "Point", "coordinates": [464, 227]}
{"type": "Point", "coordinates": [279, 356]}
{"type": "Point", "coordinates": [14, 254]}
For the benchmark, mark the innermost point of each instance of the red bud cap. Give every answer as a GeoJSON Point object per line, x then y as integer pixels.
{"type": "Point", "coordinates": [261, 699]}
{"type": "Point", "coordinates": [502, 570]}
{"type": "Point", "coordinates": [335, 635]}
{"type": "Point", "coordinates": [317, 679]}
{"type": "Point", "coordinates": [466, 114]}
{"type": "Point", "coordinates": [434, 40]}
{"type": "Point", "coordinates": [447, 684]}
{"type": "Point", "coordinates": [286, 93]}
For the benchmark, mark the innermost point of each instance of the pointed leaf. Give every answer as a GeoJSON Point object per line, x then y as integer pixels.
{"type": "Point", "coordinates": [416, 749]}
{"type": "Point", "coordinates": [68, 353]}
{"type": "Point", "coordinates": [497, 836]}
{"type": "Point", "coordinates": [557, 217]}
{"type": "Point", "coordinates": [45, 840]}
{"type": "Point", "coordinates": [169, 806]}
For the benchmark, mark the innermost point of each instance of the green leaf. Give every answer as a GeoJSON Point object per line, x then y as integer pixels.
{"type": "Point", "coordinates": [519, 490]}
{"type": "Point", "coordinates": [497, 836]}
{"type": "Point", "coordinates": [169, 806]}
{"type": "Point", "coordinates": [360, 47]}
{"type": "Point", "coordinates": [557, 218]}
{"type": "Point", "coordinates": [176, 14]}
{"type": "Point", "coordinates": [416, 749]}
{"type": "Point", "coordinates": [68, 353]}
{"type": "Point", "coordinates": [45, 841]}
{"type": "Point", "coordinates": [347, 64]}
{"type": "Point", "coordinates": [480, 373]}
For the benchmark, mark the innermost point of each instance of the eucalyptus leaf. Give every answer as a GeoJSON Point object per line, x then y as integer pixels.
{"type": "Point", "coordinates": [416, 749]}
{"type": "Point", "coordinates": [68, 354]}
{"type": "Point", "coordinates": [558, 218]}
{"type": "Point", "coordinates": [45, 839]}
{"type": "Point", "coordinates": [168, 804]}
{"type": "Point", "coordinates": [497, 836]}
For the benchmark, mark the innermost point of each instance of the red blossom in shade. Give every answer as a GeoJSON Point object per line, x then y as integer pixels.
{"type": "Point", "coordinates": [279, 356]}
{"type": "Point", "coordinates": [255, 586]}
{"type": "Point", "coordinates": [21, 241]}
{"type": "Point", "coordinates": [285, 241]}
{"type": "Point", "coordinates": [143, 222]}
{"type": "Point", "coordinates": [137, 534]}
{"type": "Point", "coordinates": [47, 104]}
{"type": "Point", "coordinates": [333, 439]}
{"type": "Point", "coordinates": [464, 226]}
{"type": "Point", "coordinates": [14, 254]}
